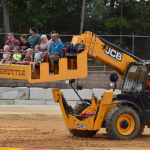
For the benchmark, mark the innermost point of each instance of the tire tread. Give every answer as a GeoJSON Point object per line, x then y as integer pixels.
{"type": "Point", "coordinates": [109, 119]}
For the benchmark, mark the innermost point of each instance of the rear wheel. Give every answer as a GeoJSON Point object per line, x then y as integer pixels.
{"type": "Point", "coordinates": [82, 133]}
{"type": "Point", "coordinates": [122, 123]}
{"type": "Point", "coordinates": [79, 108]}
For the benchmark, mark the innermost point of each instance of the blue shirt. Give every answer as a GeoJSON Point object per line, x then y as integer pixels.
{"type": "Point", "coordinates": [54, 48]}
{"type": "Point", "coordinates": [34, 40]}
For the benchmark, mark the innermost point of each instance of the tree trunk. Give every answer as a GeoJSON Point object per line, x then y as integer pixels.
{"type": "Point", "coordinates": [111, 14]}
{"type": "Point", "coordinates": [6, 19]}
{"type": "Point", "coordinates": [121, 26]}
{"type": "Point", "coordinates": [82, 17]}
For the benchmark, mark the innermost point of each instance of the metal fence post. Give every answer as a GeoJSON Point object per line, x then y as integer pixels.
{"type": "Point", "coordinates": [104, 68]}
{"type": "Point", "coordinates": [133, 43]}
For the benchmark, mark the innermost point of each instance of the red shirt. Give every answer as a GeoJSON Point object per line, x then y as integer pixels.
{"type": "Point", "coordinates": [12, 44]}
{"type": "Point", "coordinates": [148, 82]}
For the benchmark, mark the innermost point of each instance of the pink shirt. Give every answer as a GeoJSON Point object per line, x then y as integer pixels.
{"type": "Point", "coordinates": [12, 43]}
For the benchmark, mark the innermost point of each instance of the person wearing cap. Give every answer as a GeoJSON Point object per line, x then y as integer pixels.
{"type": "Point", "coordinates": [148, 82]}
{"type": "Point", "coordinates": [54, 51]}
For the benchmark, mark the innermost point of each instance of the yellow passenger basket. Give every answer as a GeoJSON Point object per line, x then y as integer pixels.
{"type": "Point", "coordinates": [66, 68]}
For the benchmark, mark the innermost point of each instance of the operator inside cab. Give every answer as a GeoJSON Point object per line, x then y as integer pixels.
{"type": "Point", "coordinates": [148, 82]}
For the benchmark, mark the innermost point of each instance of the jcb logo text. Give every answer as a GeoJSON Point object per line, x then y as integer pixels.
{"type": "Point", "coordinates": [113, 53]}
{"type": "Point", "coordinates": [81, 126]}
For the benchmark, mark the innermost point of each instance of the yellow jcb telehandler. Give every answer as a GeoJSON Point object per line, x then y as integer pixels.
{"type": "Point", "coordinates": [125, 114]}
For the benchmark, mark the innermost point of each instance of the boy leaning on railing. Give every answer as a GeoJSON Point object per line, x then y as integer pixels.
{"type": "Point", "coordinates": [16, 57]}
{"type": "Point", "coordinates": [37, 58]}
{"type": "Point", "coordinates": [26, 59]}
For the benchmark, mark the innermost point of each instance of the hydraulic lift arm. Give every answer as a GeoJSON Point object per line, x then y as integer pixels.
{"type": "Point", "coordinates": [106, 52]}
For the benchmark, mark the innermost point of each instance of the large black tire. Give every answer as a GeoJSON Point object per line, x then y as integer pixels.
{"type": "Point", "coordinates": [79, 108]}
{"type": "Point", "coordinates": [82, 133]}
{"type": "Point", "coordinates": [115, 129]}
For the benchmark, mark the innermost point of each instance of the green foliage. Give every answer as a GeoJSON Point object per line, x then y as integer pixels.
{"type": "Point", "coordinates": [1, 18]}
{"type": "Point", "coordinates": [101, 17]}
{"type": "Point", "coordinates": [117, 42]}
{"type": "Point", "coordinates": [117, 22]}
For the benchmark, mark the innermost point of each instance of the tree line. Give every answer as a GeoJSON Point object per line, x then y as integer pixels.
{"type": "Point", "coordinates": [103, 17]}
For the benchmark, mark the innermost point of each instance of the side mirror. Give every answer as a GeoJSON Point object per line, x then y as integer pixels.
{"type": "Point", "coordinates": [113, 77]}
{"type": "Point", "coordinates": [79, 87]}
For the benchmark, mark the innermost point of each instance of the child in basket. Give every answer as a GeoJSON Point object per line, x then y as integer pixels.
{"type": "Point", "coordinates": [16, 57]}
{"type": "Point", "coordinates": [6, 55]}
{"type": "Point", "coordinates": [37, 58]}
{"type": "Point", "coordinates": [26, 59]}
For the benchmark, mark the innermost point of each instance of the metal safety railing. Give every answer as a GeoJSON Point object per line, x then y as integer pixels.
{"type": "Point", "coordinates": [20, 62]}
{"type": "Point", "coordinates": [11, 61]}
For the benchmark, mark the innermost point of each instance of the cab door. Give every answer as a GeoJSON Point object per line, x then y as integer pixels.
{"type": "Point", "coordinates": [146, 94]}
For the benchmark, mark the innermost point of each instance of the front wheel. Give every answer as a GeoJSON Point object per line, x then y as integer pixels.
{"type": "Point", "coordinates": [82, 133]}
{"type": "Point", "coordinates": [122, 123]}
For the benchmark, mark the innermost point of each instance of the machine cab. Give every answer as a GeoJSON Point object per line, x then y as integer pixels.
{"type": "Point", "coordinates": [134, 87]}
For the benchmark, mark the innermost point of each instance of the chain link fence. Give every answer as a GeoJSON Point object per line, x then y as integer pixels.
{"type": "Point", "coordinates": [137, 45]}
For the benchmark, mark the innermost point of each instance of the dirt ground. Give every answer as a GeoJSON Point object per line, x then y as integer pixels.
{"type": "Point", "coordinates": [48, 131]}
